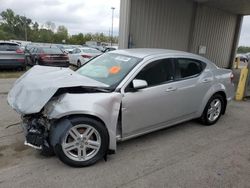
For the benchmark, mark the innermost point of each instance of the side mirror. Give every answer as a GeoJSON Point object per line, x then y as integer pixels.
{"type": "Point", "coordinates": [139, 84]}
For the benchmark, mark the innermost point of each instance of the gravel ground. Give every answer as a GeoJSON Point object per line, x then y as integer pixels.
{"type": "Point", "coordinates": [186, 155]}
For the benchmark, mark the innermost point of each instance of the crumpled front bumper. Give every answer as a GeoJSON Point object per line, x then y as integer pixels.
{"type": "Point", "coordinates": [35, 132]}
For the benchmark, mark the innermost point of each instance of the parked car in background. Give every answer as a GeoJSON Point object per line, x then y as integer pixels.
{"type": "Point", "coordinates": [68, 48]}
{"type": "Point", "coordinates": [117, 96]}
{"type": "Point", "coordinates": [48, 56]}
{"type": "Point", "coordinates": [243, 58]}
{"type": "Point", "coordinates": [109, 48]}
{"type": "Point", "coordinates": [80, 56]}
{"type": "Point", "coordinates": [11, 56]}
{"type": "Point", "coordinates": [248, 56]}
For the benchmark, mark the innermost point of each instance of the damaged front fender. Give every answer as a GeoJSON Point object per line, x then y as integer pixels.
{"type": "Point", "coordinates": [105, 106]}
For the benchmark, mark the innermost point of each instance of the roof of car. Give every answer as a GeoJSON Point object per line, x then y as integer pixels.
{"type": "Point", "coordinates": [8, 42]}
{"type": "Point", "coordinates": [145, 52]}
{"type": "Point", "coordinates": [88, 48]}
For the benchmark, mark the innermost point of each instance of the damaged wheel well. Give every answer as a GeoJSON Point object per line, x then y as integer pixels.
{"type": "Point", "coordinates": [85, 115]}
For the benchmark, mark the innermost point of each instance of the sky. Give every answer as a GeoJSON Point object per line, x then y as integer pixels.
{"type": "Point", "coordinates": [245, 32]}
{"type": "Point", "coordinates": [83, 15]}
{"type": "Point", "coordinates": [77, 15]}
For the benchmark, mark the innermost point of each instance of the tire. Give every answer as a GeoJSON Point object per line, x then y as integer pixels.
{"type": "Point", "coordinates": [74, 148]}
{"type": "Point", "coordinates": [213, 110]}
{"type": "Point", "coordinates": [79, 64]}
{"type": "Point", "coordinates": [23, 68]}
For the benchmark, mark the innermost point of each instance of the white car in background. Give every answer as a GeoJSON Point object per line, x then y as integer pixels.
{"type": "Point", "coordinates": [80, 56]}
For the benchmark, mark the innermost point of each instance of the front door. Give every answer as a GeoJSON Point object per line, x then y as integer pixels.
{"type": "Point", "coordinates": [149, 107]}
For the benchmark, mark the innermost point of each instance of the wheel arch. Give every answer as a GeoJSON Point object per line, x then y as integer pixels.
{"type": "Point", "coordinates": [217, 89]}
{"type": "Point", "coordinates": [223, 94]}
{"type": "Point", "coordinates": [64, 122]}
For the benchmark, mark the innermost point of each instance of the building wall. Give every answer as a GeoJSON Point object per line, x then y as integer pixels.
{"type": "Point", "coordinates": [160, 23]}
{"type": "Point", "coordinates": [180, 25]}
{"type": "Point", "coordinates": [214, 29]}
{"type": "Point", "coordinates": [125, 9]}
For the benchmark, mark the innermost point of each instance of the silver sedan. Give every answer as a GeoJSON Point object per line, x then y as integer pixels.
{"type": "Point", "coordinates": [119, 95]}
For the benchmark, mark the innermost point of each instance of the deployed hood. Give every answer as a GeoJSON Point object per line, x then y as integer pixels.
{"type": "Point", "coordinates": [36, 87]}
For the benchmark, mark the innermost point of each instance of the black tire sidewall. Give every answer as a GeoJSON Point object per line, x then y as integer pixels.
{"type": "Point", "coordinates": [204, 117]}
{"type": "Point", "coordinates": [78, 64]}
{"type": "Point", "coordinates": [104, 142]}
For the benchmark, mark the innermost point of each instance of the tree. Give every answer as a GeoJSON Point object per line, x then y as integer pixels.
{"type": "Point", "coordinates": [50, 25]}
{"type": "Point", "coordinates": [45, 35]}
{"type": "Point", "coordinates": [61, 34]}
{"type": "Point", "coordinates": [243, 49]}
{"type": "Point", "coordinates": [14, 26]}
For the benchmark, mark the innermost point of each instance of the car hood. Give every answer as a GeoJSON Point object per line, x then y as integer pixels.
{"type": "Point", "coordinates": [35, 88]}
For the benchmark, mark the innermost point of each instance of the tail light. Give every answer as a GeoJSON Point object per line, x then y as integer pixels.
{"type": "Point", "coordinates": [87, 56]}
{"type": "Point", "coordinates": [19, 51]}
{"type": "Point", "coordinates": [232, 77]}
{"type": "Point", "coordinates": [44, 56]}
{"type": "Point", "coordinates": [20, 60]}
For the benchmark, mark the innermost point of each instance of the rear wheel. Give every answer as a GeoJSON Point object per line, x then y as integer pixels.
{"type": "Point", "coordinates": [213, 110]}
{"type": "Point", "coordinates": [83, 143]}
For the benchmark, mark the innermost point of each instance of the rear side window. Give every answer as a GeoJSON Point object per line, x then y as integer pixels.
{"type": "Point", "coordinates": [8, 47]}
{"type": "Point", "coordinates": [157, 72]}
{"type": "Point", "coordinates": [185, 68]}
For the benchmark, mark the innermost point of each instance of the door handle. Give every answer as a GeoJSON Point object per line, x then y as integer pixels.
{"type": "Point", "coordinates": [171, 89]}
{"type": "Point", "coordinates": [206, 80]}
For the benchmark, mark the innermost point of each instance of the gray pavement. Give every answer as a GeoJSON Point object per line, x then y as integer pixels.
{"type": "Point", "coordinates": [186, 155]}
{"type": "Point", "coordinates": [5, 85]}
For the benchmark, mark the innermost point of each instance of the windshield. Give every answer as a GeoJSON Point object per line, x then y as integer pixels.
{"type": "Point", "coordinates": [89, 50]}
{"type": "Point", "coordinates": [52, 51]}
{"type": "Point", "coordinates": [8, 47]}
{"type": "Point", "coordinates": [109, 69]}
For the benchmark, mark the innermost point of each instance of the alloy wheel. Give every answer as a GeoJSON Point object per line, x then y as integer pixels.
{"type": "Point", "coordinates": [214, 110]}
{"type": "Point", "coordinates": [81, 143]}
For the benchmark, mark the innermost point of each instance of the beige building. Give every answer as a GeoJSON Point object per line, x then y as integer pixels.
{"type": "Point", "coordinates": [207, 27]}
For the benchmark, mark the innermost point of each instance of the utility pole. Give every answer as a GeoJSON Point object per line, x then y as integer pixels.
{"type": "Point", "coordinates": [25, 29]}
{"type": "Point", "coordinates": [113, 9]}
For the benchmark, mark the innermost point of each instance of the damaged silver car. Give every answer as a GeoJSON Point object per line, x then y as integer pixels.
{"type": "Point", "coordinates": [81, 115]}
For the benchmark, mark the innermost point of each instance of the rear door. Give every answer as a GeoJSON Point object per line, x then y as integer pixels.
{"type": "Point", "coordinates": [192, 81]}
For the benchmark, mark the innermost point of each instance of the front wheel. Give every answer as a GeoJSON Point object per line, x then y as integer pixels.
{"type": "Point", "coordinates": [83, 143]}
{"type": "Point", "coordinates": [213, 110]}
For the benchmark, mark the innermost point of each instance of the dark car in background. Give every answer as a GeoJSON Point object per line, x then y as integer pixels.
{"type": "Point", "coordinates": [243, 58]}
{"type": "Point", "coordinates": [11, 56]}
{"type": "Point", "coordinates": [48, 56]}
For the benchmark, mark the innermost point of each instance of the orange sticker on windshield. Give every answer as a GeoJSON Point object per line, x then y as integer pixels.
{"type": "Point", "coordinates": [114, 70]}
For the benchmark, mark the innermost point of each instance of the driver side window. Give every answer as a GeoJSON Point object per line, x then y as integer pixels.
{"type": "Point", "coordinates": [157, 72]}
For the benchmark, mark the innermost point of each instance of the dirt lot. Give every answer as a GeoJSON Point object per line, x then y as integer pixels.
{"type": "Point", "coordinates": [187, 155]}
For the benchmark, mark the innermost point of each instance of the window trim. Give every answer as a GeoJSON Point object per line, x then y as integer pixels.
{"type": "Point", "coordinates": [204, 65]}
{"type": "Point", "coordinates": [126, 90]}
